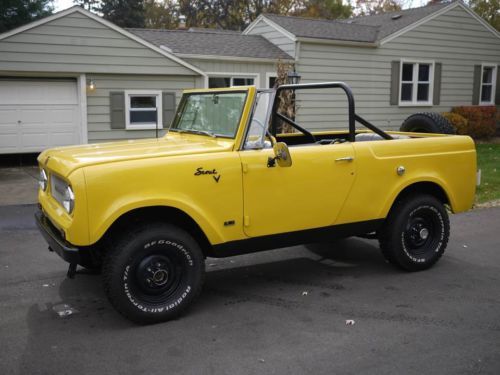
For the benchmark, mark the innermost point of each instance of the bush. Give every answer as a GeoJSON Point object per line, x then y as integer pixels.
{"type": "Point", "coordinates": [481, 120]}
{"type": "Point", "coordinates": [459, 122]}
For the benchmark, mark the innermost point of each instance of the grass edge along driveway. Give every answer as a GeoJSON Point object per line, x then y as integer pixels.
{"type": "Point", "coordinates": [488, 160]}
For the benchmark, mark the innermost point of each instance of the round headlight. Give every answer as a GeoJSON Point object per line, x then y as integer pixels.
{"type": "Point", "coordinates": [68, 200]}
{"type": "Point", "coordinates": [43, 180]}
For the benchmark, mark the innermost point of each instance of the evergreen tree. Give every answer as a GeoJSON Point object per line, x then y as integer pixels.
{"type": "Point", "coordinates": [15, 13]}
{"type": "Point", "coordinates": [124, 13]}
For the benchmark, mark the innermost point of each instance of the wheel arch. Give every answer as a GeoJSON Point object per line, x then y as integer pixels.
{"type": "Point", "coordinates": [158, 213]}
{"type": "Point", "coordinates": [429, 187]}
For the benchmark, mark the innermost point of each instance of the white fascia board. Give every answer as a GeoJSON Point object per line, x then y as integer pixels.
{"type": "Point", "coordinates": [252, 25]}
{"type": "Point", "coordinates": [337, 42]}
{"type": "Point", "coordinates": [140, 40]}
{"type": "Point", "coordinates": [274, 25]}
{"type": "Point", "coordinates": [77, 9]}
{"type": "Point", "coordinates": [39, 22]}
{"type": "Point", "coordinates": [480, 19]}
{"type": "Point", "coordinates": [418, 23]}
{"type": "Point", "coordinates": [231, 58]}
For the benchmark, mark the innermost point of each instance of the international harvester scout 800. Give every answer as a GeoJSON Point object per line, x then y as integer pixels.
{"type": "Point", "coordinates": [224, 181]}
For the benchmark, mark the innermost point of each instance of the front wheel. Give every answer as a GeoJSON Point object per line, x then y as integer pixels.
{"type": "Point", "coordinates": [415, 233]}
{"type": "Point", "coordinates": [154, 273]}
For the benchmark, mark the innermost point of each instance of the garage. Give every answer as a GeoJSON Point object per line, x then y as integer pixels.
{"type": "Point", "coordinates": [36, 114]}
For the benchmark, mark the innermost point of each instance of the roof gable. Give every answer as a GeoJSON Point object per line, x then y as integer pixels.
{"type": "Point", "coordinates": [375, 29]}
{"type": "Point", "coordinates": [57, 19]}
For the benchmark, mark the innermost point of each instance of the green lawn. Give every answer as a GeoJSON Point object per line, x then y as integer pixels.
{"type": "Point", "coordinates": [488, 160]}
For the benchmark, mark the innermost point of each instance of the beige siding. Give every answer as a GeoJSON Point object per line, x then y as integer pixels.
{"type": "Point", "coordinates": [235, 68]}
{"type": "Point", "coordinates": [275, 37]}
{"type": "Point", "coordinates": [455, 39]}
{"type": "Point", "coordinates": [98, 108]}
{"type": "Point", "coordinates": [76, 43]}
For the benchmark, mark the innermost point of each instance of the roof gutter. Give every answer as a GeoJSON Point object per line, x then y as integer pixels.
{"type": "Point", "coordinates": [337, 42]}
{"type": "Point", "coordinates": [233, 58]}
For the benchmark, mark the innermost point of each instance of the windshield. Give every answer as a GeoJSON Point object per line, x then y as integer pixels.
{"type": "Point", "coordinates": [212, 114]}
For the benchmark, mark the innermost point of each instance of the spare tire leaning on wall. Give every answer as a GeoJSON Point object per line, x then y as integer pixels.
{"type": "Point", "coordinates": [427, 122]}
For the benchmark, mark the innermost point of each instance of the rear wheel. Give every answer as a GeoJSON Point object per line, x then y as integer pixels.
{"type": "Point", "coordinates": [415, 233]}
{"type": "Point", "coordinates": [154, 273]}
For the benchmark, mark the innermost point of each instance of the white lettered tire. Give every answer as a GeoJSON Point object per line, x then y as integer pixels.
{"type": "Point", "coordinates": [154, 273]}
{"type": "Point", "coordinates": [416, 232]}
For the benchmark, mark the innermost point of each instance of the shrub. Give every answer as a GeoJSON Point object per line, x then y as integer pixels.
{"type": "Point", "coordinates": [481, 120]}
{"type": "Point", "coordinates": [459, 122]}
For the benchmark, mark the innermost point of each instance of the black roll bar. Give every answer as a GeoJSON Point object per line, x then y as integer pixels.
{"type": "Point", "coordinates": [353, 117]}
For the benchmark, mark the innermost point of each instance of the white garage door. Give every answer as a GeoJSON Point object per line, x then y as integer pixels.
{"type": "Point", "coordinates": [38, 114]}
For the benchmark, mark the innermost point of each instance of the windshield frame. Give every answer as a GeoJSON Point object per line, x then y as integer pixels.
{"type": "Point", "coordinates": [182, 105]}
{"type": "Point", "coordinates": [272, 93]}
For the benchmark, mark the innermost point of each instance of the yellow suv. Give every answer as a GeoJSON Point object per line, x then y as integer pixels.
{"type": "Point", "coordinates": [223, 181]}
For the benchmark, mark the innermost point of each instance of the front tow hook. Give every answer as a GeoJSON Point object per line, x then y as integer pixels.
{"type": "Point", "coordinates": [71, 270]}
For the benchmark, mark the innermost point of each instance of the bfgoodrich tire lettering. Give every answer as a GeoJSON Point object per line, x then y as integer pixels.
{"type": "Point", "coordinates": [154, 273]}
{"type": "Point", "coordinates": [415, 233]}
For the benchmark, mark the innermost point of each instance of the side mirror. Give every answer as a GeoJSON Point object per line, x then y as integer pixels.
{"type": "Point", "coordinates": [282, 154]}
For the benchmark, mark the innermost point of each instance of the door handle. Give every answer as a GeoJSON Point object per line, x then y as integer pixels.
{"type": "Point", "coordinates": [345, 158]}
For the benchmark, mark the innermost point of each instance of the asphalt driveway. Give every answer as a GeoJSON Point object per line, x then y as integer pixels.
{"type": "Point", "coordinates": [280, 312]}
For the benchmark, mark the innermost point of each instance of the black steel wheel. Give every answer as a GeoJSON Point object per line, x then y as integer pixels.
{"type": "Point", "coordinates": [415, 233]}
{"type": "Point", "coordinates": [154, 273]}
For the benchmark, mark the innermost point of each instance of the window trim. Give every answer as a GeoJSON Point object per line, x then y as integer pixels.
{"type": "Point", "coordinates": [493, 83]}
{"type": "Point", "coordinates": [232, 75]}
{"type": "Point", "coordinates": [270, 75]}
{"type": "Point", "coordinates": [414, 102]}
{"type": "Point", "coordinates": [159, 109]}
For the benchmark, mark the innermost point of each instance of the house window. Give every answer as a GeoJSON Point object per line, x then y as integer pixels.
{"type": "Point", "coordinates": [143, 110]}
{"type": "Point", "coordinates": [488, 80]}
{"type": "Point", "coordinates": [416, 83]}
{"type": "Point", "coordinates": [217, 82]}
{"type": "Point", "coordinates": [270, 80]}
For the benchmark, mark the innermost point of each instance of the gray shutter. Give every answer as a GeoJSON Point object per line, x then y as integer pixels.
{"type": "Point", "coordinates": [117, 109]}
{"type": "Point", "coordinates": [395, 75]}
{"type": "Point", "coordinates": [476, 87]}
{"type": "Point", "coordinates": [497, 92]}
{"type": "Point", "coordinates": [168, 108]}
{"type": "Point", "coordinates": [436, 97]}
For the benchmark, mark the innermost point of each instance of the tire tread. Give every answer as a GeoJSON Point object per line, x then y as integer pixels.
{"type": "Point", "coordinates": [386, 234]}
{"type": "Point", "coordinates": [111, 259]}
{"type": "Point", "coordinates": [441, 123]}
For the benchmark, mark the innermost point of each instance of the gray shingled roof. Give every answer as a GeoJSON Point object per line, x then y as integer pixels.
{"type": "Point", "coordinates": [359, 29]}
{"type": "Point", "coordinates": [325, 29]}
{"type": "Point", "coordinates": [212, 42]}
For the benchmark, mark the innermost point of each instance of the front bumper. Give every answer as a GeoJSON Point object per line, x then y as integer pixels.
{"type": "Point", "coordinates": [56, 243]}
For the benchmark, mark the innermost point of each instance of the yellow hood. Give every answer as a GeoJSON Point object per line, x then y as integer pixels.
{"type": "Point", "coordinates": [65, 160]}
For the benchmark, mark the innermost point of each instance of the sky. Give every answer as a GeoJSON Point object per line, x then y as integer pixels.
{"type": "Point", "coordinates": [64, 4]}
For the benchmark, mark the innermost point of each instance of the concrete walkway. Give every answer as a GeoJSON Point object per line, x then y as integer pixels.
{"type": "Point", "coordinates": [18, 185]}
